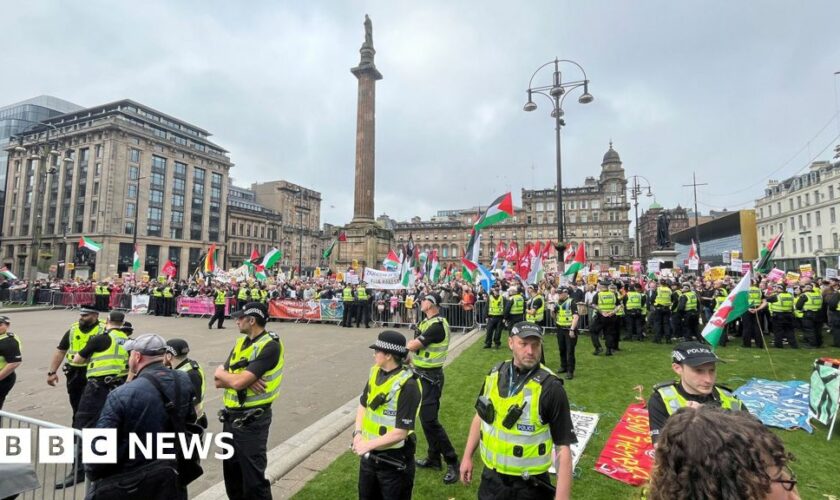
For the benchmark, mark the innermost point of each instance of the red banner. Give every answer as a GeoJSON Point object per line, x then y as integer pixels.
{"type": "Point", "coordinates": [295, 309]}
{"type": "Point", "coordinates": [628, 455]}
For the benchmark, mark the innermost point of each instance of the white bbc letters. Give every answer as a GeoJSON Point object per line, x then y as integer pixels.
{"type": "Point", "coordinates": [55, 446]}
{"type": "Point", "coordinates": [15, 446]}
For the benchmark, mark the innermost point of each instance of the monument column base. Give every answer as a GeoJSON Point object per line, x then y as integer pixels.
{"type": "Point", "coordinates": [367, 243]}
{"type": "Point", "coordinates": [666, 256]}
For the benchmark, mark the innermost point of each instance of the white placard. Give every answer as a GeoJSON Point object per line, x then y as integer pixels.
{"type": "Point", "coordinates": [653, 266]}
{"type": "Point", "coordinates": [382, 280]}
{"type": "Point", "coordinates": [584, 424]}
{"type": "Point", "coordinates": [736, 266]}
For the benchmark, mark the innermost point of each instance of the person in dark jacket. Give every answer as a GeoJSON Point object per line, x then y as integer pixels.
{"type": "Point", "coordinates": [137, 407]}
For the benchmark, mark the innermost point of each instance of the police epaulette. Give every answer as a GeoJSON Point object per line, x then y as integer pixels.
{"type": "Point", "coordinates": [497, 367]}
{"type": "Point", "coordinates": [543, 375]}
{"type": "Point", "coordinates": [273, 336]}
{"type": "Point", "coordinates": [660, 385]}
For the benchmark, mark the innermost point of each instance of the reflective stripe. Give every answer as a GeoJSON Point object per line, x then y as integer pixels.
{"type": "Point", "coordinates": [272, 377]}
{"type": "Point", "coordinates": [674, 401]}
{"type": "Point", "coordinates": [517, 304]}
{"type": "Point", "coordinates": [565, 314]}
{"type": "Point", "coordinates": [382, 420]}
{"type": "Point", "coordinates": [433, 355]}
{"type": "Point", "coordinates": [606, 301]}
{"type": "Point", "coordinates": [79, 339]}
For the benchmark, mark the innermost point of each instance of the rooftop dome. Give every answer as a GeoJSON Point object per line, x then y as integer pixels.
{"type": "Point", "coordinates": [611, 156]}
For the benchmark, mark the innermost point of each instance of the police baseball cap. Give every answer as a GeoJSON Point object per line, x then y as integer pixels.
{"type": "Point", "coordinates": [694, 354]}
{"type": "Point", "coordinates": [525, 329]}
{"type": "Point", "coordinates": [6, 320]}
{"type": "Point", "coordinates": [177, 347]}
{"type": "Point", "coordinates": [253, 309]}
{"type": "Point", "coordinates": [87, 310]}
{"type": "Point", "coordinates": [149, 344]}
{"type": "Point", "coordinates": [563, 289]}
{"type": "Point", "coordinates": [433, 297]}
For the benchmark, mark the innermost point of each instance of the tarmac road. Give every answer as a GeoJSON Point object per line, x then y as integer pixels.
{"type": "Point", "coordinates": [325, 366]}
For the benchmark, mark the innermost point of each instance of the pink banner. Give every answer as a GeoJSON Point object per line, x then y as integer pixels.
{"type": "Point", "coordinates": [198, 306]}
{"type": "Point", "coordinates": [628, 455]}
{"type": "Point", "coordinates": [775, 275]}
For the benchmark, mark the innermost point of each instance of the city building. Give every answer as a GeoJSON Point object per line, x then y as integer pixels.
{"type": "Point", "coordinates": [726, 232]}
{"type": "Point", "coordinates": [20, 116]}
{"type": "Point", "coordinates": [805, 207]}
{"type": "Point", "coordinates": [648, 226]}
{"type": "Point", "coordinates": [596, 213]}
{"type": "Point", "coordinates": [250, 226]}
{"type": "Point", "coordinates": [93, 172]}
{"type": "Point", "coordinates": [292, 201]}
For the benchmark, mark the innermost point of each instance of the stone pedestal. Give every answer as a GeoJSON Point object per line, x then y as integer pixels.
{"type": "Point", "coordinates": [366, 243]}
{"type": "Point", "coordinates": [666, 255]}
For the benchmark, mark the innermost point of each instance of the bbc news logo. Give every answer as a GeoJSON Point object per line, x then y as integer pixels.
{"type": "Point", "coordinates": [99, 446]}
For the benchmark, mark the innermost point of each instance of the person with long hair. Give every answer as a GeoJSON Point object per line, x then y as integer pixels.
{"type": "Point", "coordinates": [707, 453]}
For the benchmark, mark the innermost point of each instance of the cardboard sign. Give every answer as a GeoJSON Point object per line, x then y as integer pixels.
{"type": "Point", "coordinates": [717, 272]}
{"type": "Point", "coordinates": [792, 277]}
{"type": "Point", "coordinates": [736, 265]}
{"type": "Point", "coordinates": [805, 268]}
{"type": "Point", "coordinates": [775, 274]}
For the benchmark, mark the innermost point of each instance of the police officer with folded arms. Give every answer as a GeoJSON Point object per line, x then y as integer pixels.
{"type": "Point", "coordinates": [781, 315]}
{"type": "Point", "coordinates": [514, 307]}
{"type": "Point", "coordinates": [495, 315]}
{"type": "Point", "coordinates": [176, 358]}
{"type": "Point", "coordinates": [251, 379]}
{"type": "Point", "coordinates": [696, 365]}
{"type": "Point", "coordinates": [430, 348]}
{"type": "Point", "coordinates": [567, 332]}
{"type": "Point", "coordinates": [522, 423]}
{"type": "Point", "coordinates": [810, 302]}
{"type": "Point", "coordinates": [384, 432]}
{"type": "Point", "coordinates": [687, 312]}
{"type": "Point", "coordinates": [220, 297]}
{"type": "Point", "coordinates": [10, 358]}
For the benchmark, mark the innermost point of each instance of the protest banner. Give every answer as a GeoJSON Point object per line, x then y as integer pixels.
{"type": "Point", "coordinates": [592, 278]}
{"type": "Point", "coordinates": [139, 304]}
{"type": "Point", "coordinates": [824, 397]}
{"type": "Point", "coordinates": [735, 254]}
{"type": "Point", "coordinates": [746, 267]}
{"type": "Point", "coordinates": [637, 266]}
{"type": "Point", "coordinates": [331, 310]}
{"type": "Point", "coordinates": [830, 273]}
{"type": "Point", "coordinates": [195, 306]}
{"type": "Point", "coordinates": [736, 266]}
{"type": "Point", "coordinates": [351, 278]}
{"type": "Point", "coordinates": [726, 257]}
{"type": "Point", "coordinates": [550, 265]}
{"type": "Point", "coordinates": [693, 264]}
{"type": "Point", "coordinates": [382, 280]}
{"type": "Point", "coordinates": [309, 310]}
{"type": "Point", "coordinates": [584, 424]}
{"type": "Point", "coordinates": [792, 277]}
{"type": "Point", "coordinates": [805, 268]}
{"type": "Point", "coordinates": [628, 454]}
{"type": "Point", "coordinates": [775, 274]}
{"type": "Point", "coordinates": [717, 272]}
{"type": "Point", "coordinates": [777, 404]}
{"type": "Point", "coordinates": [653, 266]}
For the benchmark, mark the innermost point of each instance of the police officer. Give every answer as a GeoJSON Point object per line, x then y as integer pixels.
{"type": "Point", "coordinates": [176, 358]}
{"type": "Point", "coordinates": [384, 432]}
{"type": "Point", "coordinates": [168, 300]}
{"type": "Point", "coordinates": [811, 304]}
{"type": "Point", "coordinates": [535, 308]}
{"type": "Point", "coordinates": [751, 329]}
{"type": "Point", "coordinates": [781, 314]}
{"type": "Point", "coordinates": [495, 315]}
{"type": "Point", "coordinates": [514, 307]}
{"type": "Point", "coordinates": [242, 296]}
{"type": "Point", "coordinates": [10, 358]}
{"type": "Point", "coordinates": [696, 366]}
{"type": "Point", "coordinates": [634, 302]}
{"type": "Point", "coordinates": [362, 305]}
{"type": "Point", "coordinates": [73, 341]}
{"type": "Point", "coordinates": [251, 378]}
{"type": "Point", "coordinates": [347, 298]}
{"type": "Point", "coordinates": [605, 303]}
{"type": "Point", "coordinates": [220, 298]}
{"type": "Point", "coordinates": [661, 313]}
{"type": "Point", "coordinates": [832, 305]}
{"type": "Point", "coordinates": [687, 311]}
{"type": "Point", "coordinates": [102, 296]}
{"type": "Point", "coordinates": [430, 348]}
{"type": "Point", "coordinates": [522, 417]}
{"type": "Point", "coordinates": [567, 332]}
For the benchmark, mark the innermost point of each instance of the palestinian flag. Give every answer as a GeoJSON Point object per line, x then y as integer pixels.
{"type": "Point", "coordinates": [136, 265]}
{"type": "Point", "coordinates": [328, 251]}
{"type": "Point", "coordinates": [392, 261]}
{"type": "Point", "coordinates": [577, 264]}
{"type": "Point", "coordinates": [4, 271]}
{"type": "Point", "coordinates": [271, 258]}
{"type": "Point", "coordinates": [569, 255]}
{"type": "Point", "coordinates": [499, 210]}
{"type": "Point", "coordinates": [468, 269]}
{"type": "Point", "coordinates": [210, 259]}
{"type": "Point", "coordinates": [474, 246]}
{"type": "Point", "coordinates": [85, 242]}
{"type": "Point", "coordinates": [434, 269]}
{"type": "Point", "coordinates": [763, 265]}
{"type": "Point", "coordinates": [546, 253]}
{"type": "Point", "coordinates": [735, 305]}
{"type": "Point", "coordinates": [407, 265]}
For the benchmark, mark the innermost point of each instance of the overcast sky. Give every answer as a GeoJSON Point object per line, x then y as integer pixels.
{"type": "Point", "coordinates": [733, 90]}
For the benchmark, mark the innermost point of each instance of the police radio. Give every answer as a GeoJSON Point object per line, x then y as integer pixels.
{"type": "Point", "coordinates": [513, 414]}
{"type": "Point", "coordinates": [485, 410]}
{"type": "Point", "coordinates": [378, 401]}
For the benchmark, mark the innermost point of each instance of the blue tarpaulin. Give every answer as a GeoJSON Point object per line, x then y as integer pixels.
{"type": "Point", "coordinates": [777, 404]}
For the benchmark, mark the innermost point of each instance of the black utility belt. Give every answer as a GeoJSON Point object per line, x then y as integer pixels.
{"type": "Point", "coordinates": [107, 380]}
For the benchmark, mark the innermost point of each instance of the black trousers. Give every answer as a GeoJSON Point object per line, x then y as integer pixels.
{"type": "Point", "coordinates": [379, 481]}
{"type": "Point", "coordinates": [783, 329]}
{"type": "Point", "coordinates": [494, 331]}
{"type": "Point", "coordinates": [606, 326]}
{"type": "Point", "coordinates": [751, 331]}
{"type": "Point", "coordinates": [218, 315]}
{"type": "Point", "coordinates": [76, 382]}
{"type": "Point", "coordinates": [438, 440]}
{"type": "Point", "coordinates": [92, 401]}
{"type": "Point", "coordinates": [244, 472]}
{"type": "Point", "coordinates": [347, 314]}
{"type": "Point", "coordinates": [661, 323]}
{"type": "Point", "coordinates": [5, 386]}
{"type": "Point", "coordinates": [495, 486]}
{"type": "Point", "coordinates": [363, 314]}
{"type": "Point", "coordinates": [567, 345]}
{"type": "Point", "coordinates": [634, 326]}
{"type": "Point", "coordinates": [689, 324]}
{"type": "Point", "coordinates": [812, 324]}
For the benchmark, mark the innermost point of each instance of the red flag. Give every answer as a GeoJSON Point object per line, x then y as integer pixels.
{"type": "Point", "coordinates": [255, 256]}
{"type": "Point", "coordinates": [525, 260]}
{"type": "Point", "coordinates": [547, 250]}
{"type": "Point", "coordinates": [513, 252]}
{"type": "Point", "coordinates": [501, 251]}
{"type": "Point", "coordinates": [342, 236]}
{"type": "Point", "coordinates": [169, 269]}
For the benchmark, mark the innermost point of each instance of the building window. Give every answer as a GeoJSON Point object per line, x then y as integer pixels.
{"type": "Point", "coordinates": [179, 185]}
{"type": "Point", "coordinates": [762, 231]}
{"type": "Point", "coordinates": [793, 241]}
{"type": "Point", "coordinates": [800, 221]}
{"type": "Point", "coordinates": [819, 242]}
{"type": "Point", "coordinates": [834, 239]}
{"type": "Point", "coordinates": [156, 196]}
{"type": "Point", "coordinates": [807, 199]}
{"type": "Point", "coordinates": [830, 192]}
{"type": "Point", "coordinates": [810, 244]}
{"type": "Point", "coordinates": [818, 217]}
{"type": "Point", "coordinates": [129, 209]}
{"type": "Point", "coordinates": [832, 216]}
{"type": "Point", "coordinates": [129, 228]}
{"type": "Point", "coordinates": [779, 207]}
{"type": "Point", "coordinates": [808, 219]}
{"type": "Point", "coordinates": [134, 155]}
{"type": "Point", "coordinates": [132, 192]}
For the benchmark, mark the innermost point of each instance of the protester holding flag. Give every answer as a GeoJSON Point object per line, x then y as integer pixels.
{"type": "Point", "coordinates": [696, 365]}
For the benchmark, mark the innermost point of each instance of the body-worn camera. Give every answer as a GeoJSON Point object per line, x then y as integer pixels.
{"type": "Point", "coordinates": [378, 401]}
{"type": "Point", "coordinates": [485, 410]}
{"type": "Point", "coordinates": [513, 414]}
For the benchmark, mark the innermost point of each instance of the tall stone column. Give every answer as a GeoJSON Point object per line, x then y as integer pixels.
{"type": "Point", "coordinates": [367, 74]}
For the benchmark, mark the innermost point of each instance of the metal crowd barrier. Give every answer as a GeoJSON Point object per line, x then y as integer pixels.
{"type": "Point", "coordinates": [47, 474]}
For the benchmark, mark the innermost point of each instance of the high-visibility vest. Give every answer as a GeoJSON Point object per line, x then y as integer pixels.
{"type": "Point", "coordinates": [221, 297]}
{"type": "Point", "coordinates": [263, 296]}
{"type": "Point", "coordinates": [783, 304]}
{"type": "Point", "coordinates": [496, 308]}
{"type": "Point", "coordinates": [255, 294]}
{"type": "Point", "coordinates": [102, 290]}
{"type": "Point", "coordinates": [272, 377]}
{"type": "Point", "coordinates": [527, 446]}
{"type": "Point", "coordinates": [754, 295]}
{"type": "Point", "coordinates": [814, 301]}
{"type": "Point", "coordinates": [619, 311]}
{"type": "Point", "coordinates": [690, 301]}
{"type": "Point", "coordinates": [674, 401]}
{"type": "Point", "coordinates": [113, 360]}
{"type": "Point", "coordinates": [243, 293]}
{"type": "Point", "coordinates": [634, 301]}
{"type": "Point", "coordinates": [517, 304]}
{"type": "Point", "coordinates": [606, 301]}
{"type": "Point", "coordinates": [167, 293]}
{"type": "Point", "coordinates": [157, 293]}
{"type": "Point", "coordinates": [189, 365]}
{"type": "Point", "coordinates": [432, 355]}
{"type": "Point", "coordinates": [720, 297]}
{"type": "Point", "coordinates": [663, 297]}
{"type": "Point", "coordinates": [347, 294]}
{"type": "Point", "coordinates": [383, 419]}
{"type": "Point", "coordinates": [78, 341]}
{"type": "Point", "coordinates": [539, 313]}
{"type": "Point", "coordinates": [3, 361]}
{"type": "Point", "coordinates": [361, 293]}
{"type": "Point", "coordinates": [565, 315]}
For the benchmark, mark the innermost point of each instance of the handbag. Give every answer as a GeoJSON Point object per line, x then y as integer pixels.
{"type": "Point", "coordinates": [189, 469]}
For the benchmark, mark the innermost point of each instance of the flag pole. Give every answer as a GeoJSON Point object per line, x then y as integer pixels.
{"type": "Point", "coordinates": [763, 341]}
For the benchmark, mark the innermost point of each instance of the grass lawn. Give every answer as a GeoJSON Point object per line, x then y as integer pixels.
{"type": "Point", "coordinates": [604, 385]}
